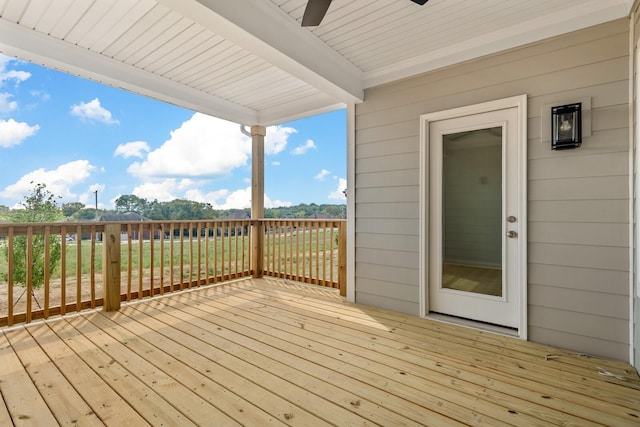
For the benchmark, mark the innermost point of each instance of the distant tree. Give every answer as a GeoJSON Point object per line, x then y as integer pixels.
{"type": "Point", "coordinates": [39, 206]}
{"type": "Point", "coordinates": [68, 209]}
{"type": "Point", "coordinates": [333, 210]}
{"type": "Point", "coordinates": [4, 212]}
{"type": "Point", "coordinates": [131, 203]}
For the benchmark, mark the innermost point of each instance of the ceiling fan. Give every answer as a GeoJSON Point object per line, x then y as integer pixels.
{"type": "Point", "coordinates": [316, 9]}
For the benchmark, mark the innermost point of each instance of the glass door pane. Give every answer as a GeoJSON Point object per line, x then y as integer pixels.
{"type": "Point", "coordinates": [472, 211]}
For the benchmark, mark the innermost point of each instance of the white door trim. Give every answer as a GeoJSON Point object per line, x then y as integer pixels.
{"type": "Point", "coordinates": [519, 102]}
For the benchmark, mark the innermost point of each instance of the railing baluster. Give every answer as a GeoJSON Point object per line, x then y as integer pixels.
{"type": "Point", "coordinates": [162, 257]}
{"type": "Point", "coordinates": [331, 254]}
{"type": "Point", "coordinates": [29, 278]}
{"type": "Point", "coordinates": [47, 269]}
{"type": "Point", "coordinates": [63, 271]}
{"type": "Point", "coordinates": [78, 268]}
{"type": "Point", "coordinates": [216, 240]}
{"type": "Point", "coordinates": [152, 264]}
{"type": "Point", "coordinates": [140, 261]}
{"type": "Point", "coordinates": [129, 259]}
{"type": "Point", "coordinates": [10, 278]}
{"type": "Point", "coordinates": [304, 249]}
{"type": "Point", "coordinates": [93, 266]}
{"type": "Point", "coordinates": [237, 237]}
{"type": "Point", "coordinates": [172, 231]}
{"type": "Point", "coordinates": [181, 280]}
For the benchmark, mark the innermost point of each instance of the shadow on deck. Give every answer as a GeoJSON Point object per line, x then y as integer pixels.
{"type": "Point", "coordinates": [267, 351]}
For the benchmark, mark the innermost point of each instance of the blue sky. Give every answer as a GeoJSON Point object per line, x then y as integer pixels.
{"type": "Point", "coordinates": [77, 136]}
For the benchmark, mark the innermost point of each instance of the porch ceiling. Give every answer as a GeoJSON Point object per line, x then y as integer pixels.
{"type": "Point", "coordinates": [250, 61]}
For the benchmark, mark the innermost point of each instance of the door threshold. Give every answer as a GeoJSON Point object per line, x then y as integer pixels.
{"type": "Point", "coordinates": [474, 324]}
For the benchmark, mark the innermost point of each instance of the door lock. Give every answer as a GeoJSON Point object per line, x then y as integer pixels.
{"type": "Point", "coordinates": [512, 234]}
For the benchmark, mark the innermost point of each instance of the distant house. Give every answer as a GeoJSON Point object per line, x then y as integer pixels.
{"type": "Point", "coordinates": [129, 217]}
{"type": "Point", "coordinates": [239, 215]}
{"type": "Point", "coordinates": [321, 215]}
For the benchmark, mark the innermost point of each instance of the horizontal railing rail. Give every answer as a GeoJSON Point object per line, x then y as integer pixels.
{"type": "Point", "coordinates": [58, 268]}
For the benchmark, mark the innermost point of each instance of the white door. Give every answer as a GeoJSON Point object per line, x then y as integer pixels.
{"type": "Point", "coordinates": [475, 221]}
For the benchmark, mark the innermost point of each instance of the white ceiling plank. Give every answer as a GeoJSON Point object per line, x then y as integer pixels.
{"type": "Point", "coordinates": [122, 25]}
{"type": "Point", "coordinates": [192, 35]}
{"type": "Point", "coordinates": [88, 20]}
{"type": "Point", "coordinates": [51, 15]}
{"type": "Point", "coordinates": [170, 25]}
{"type": "Point", "coordinates": [260, 27]}
{"type": "Point", "coordinates": [114, 50]}
{"type": "Point", "coordinates": [70, 18]}
{"type": "Point", "coordinates": [34, 12]}
{"type": "Point", "coordinates": [168, 42]}
{"type": "Point", "coordinates": [124, 18]}
{"type": "Point", "coordinates": [298, 109]}
{"type": "Point", "coordinates": [14, 9]}
{"type": "Point", "coordinates": [186, 57]}
{"type": "Point", "coordinates": [189, 72]}
{"type": "Point", "coordinates": [18, 41]}
{"type": "Point", "coordinates": [240, 69]}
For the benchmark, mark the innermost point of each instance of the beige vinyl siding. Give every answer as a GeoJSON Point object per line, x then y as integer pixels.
{"type": "Point", "coordinates": [578, 204]}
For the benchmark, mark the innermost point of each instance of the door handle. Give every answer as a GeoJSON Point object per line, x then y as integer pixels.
{"type": "Point", "coordinates": [512, 234]}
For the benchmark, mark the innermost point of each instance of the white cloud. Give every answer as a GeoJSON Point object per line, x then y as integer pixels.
{"type": "Point", "coordinates": [6, 105]}
{"type": "Point", "coordinates": [275, 163]}
{"type": "Point", "coordinates": [241, 199]}
{"type": "Point", "coordinates": [92, 111]}
{"type": "Point", "coordinates": [205, 146]}
{"type": "Point", "coordinates": [59, 181]}
{"type": "Point", "coordinates": [132, 149]}
{"type": "Point", "coordinates": [18, 76]}
{"type": "Point", "coordinates": [14, 133]}
{"type": "Point", "coordinates": [322, 174]}
{"type": "Point", "coordinates": [276, 139]}
{"type": "Point", "coordinates": [43, 96]}
{"type": "Point", "coordinates": [198, 196]}
{"type": "Point", "coordinates": [302, 149]}
{"type": "Point", "coordinates": [338, 194]}
{"type": "Point", "coordinates": [166, 189]}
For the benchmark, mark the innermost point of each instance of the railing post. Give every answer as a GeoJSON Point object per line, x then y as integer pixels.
{"type": "Point", "coordinates": [111, 262]}
{"type": "Point", "coordinates": [342, 258]}
{"type": "Point", "coordinates": [257, 249]}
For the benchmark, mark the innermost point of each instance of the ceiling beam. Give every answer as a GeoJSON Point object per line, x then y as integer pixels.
{"type": "Point", "coordinates": [260, 27]}
{"type": "Point", "coordinates": [30, 45]}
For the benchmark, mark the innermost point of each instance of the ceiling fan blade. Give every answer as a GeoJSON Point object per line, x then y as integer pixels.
{"type": "Point", "coordinates": [315, 11]}
{"type": "Point", "coordinates": [420, 2]}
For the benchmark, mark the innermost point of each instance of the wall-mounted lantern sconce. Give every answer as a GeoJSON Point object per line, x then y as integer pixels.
{"type": "Point", "coordinates": [566, 126]}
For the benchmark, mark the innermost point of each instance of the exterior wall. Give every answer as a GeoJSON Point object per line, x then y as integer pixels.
{"type": "Point", "coordinates": [636, 185]}
{"type": "Point", "coordinates": [578, 205]}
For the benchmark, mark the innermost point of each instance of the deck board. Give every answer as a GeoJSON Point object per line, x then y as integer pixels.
{"type": "Point", "coordinates": [273, 352]}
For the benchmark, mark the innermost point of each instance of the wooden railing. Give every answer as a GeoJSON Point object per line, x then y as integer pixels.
{"type": "Point", "coordinates": [305, 251]}
{"type": "Point", "coordinates": [53, 269]}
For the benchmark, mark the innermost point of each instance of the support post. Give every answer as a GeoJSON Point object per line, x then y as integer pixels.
{"type": "Point", "coordinates": [342, 258]}
{"type": "Point", "coordinates": [111, 261]}
{"type": "Point", "coordinates": [257, 199]}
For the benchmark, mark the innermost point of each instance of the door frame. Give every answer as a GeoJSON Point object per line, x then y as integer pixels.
{"type": "Point", "coordinates": [519, 102]}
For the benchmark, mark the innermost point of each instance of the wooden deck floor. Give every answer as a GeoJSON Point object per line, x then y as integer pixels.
{"type": "Point", "coordinates": [259, 352]}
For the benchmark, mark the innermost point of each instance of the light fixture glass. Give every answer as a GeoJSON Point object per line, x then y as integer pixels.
{"type": "Point", "coordinates": [566, 126]}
